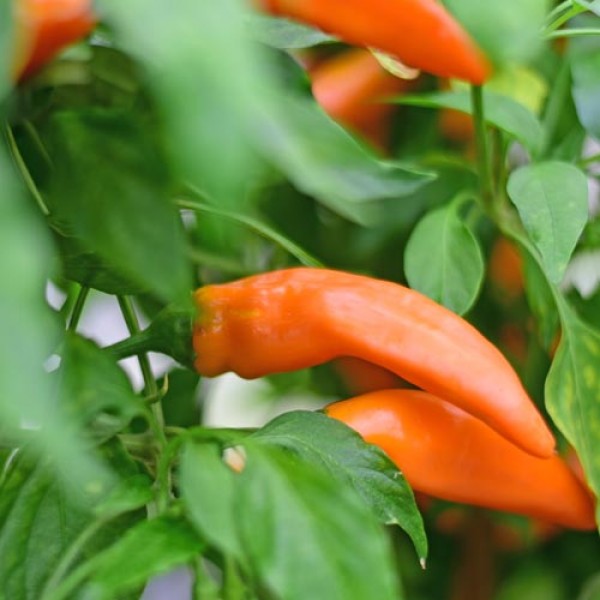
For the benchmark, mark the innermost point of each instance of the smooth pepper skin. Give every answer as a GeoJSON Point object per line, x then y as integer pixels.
{"type": "Point", "coordinates": [447, 453]}
{"type": "Point", "coordinates": [420, 33]}
{"type": "Point", "coordinates": [351, 87]}
{"type": "Point", "coordinates": [44, 27]}
{"type": "Point", "coordinates": [296, 318]}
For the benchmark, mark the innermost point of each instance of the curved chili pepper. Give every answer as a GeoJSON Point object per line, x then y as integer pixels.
{"type": "Point", "coordinates": [447, 453]}
{"type": "Point", "coordinates": [350, 87]}
{"type": "Point", "coordinates": [297, 318]}
{"type": "Point", "coordinates": [44, 27]}
{"type": "Point", "coordinates": [420, 33]}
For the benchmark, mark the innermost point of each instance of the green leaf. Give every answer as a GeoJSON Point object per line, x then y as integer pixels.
{"type": "Point", "coordinates": [501, 111]}
{"type": "Point", "coordinates": [25, 320]}
{"type": "Point", "coordinates": [307, 536]}
{"type": "Point", "coordinates": [584, 58]}
{"type": "Point", "coordinates": [284, 34]}
{"type": "Point", "coordinates": [131, 493]}
{"type": "Point", "coordinates": [551, 198]}
{"type": "Point", "coordinates": [94, 391]}
{"type": "Point", "coordinates": [330, 445]}
{"type": "Point", "coordinates": [180, 403]}
{"type": "Point", "coordinates": [322, 160]}
{"type": "Point", "coordinates": [443, 260]}
{"type": "Point", "coordinates": [208, 489]}
{"type": "Point", "coordinates": [573, 392]}
{"type": "Point", "coordinates": [110, 188]}
{"type": "Point", "coordinates": [40, 519]}
{"type": "Point", "coordinates": [150, 548]}
{"type": "Point", "coordinates": [208, 79]}
{"type": "Point", "coordinates": [6, 46]}
{"type": "Point", "coordinates": [508, 31]}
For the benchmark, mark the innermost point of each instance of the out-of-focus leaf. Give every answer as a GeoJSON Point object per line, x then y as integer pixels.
{"type": "Point", "coordinates": [443, 260]}
{"type": "Point", "coordinates": [110, 188]}
{"type": "Point", "coordinates": [93, 390]}
{"type": "Point", "coordinates": [40, 519]}
{"type": "Point", "coordinates": [28, 324]}
{"type": "Point", "coordinates": [501, 111]}
{"type": "Point", "coordinates": [551, 198]}
{"type": "Point", "coordinates": [584, 58]}
{"type": "Point", "coordinates": [573, 392]}
{"type": "Point", "coordinates": [329, 444]}
{"type": "Point", "coordinates": [323, 160]}
{"type": "Point", "coordinates": [508, 31]}
{"type": "Point", "coordinates": [284, 34]}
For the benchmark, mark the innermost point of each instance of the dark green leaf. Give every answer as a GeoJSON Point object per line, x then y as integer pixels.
{"type": "Point", "coordinates": [131, 493]}
{"type": "Point", "coordinates": [284, 34]}
{"type": "Point", "coordinates": [508, 31]}
{"type": "Point", "coordinates": [150, 548]}
{"type": "Point", "coordinates": [110, 189]}
{"type": "Point", "coordinates": [443, 260]}
{"type": "Point", "coordinates": [551, 198]}
{"type": "Point", "coordinates": [501, 111]}
{"type": "Point", "coordinates": [180, 404]}
{"type": "Point", "coordinates": [330, 445]}
{"type": "Point", "coordinates": [573, 392]}
{"type": "Point", "coordinates": [307, 536]}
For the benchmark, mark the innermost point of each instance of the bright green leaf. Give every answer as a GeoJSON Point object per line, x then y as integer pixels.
{"type": "Point", "coordinates": [551, 198]}
{"type": "Point", "coordinates": [443, 260]}
{"type": "Point", "coordinates": [208, 491]}
{"type": "Point", "coordinates": [150, 548]}
{"type": "Point", "coordinates": [501, 111]}
{"type": "Point", "coordinates": [573, 392]}
{"type": "Point", "coordinates": [330, 445]}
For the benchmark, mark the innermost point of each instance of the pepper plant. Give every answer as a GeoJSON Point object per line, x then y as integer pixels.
{"type": "Point", "coordinates": [351, 201]}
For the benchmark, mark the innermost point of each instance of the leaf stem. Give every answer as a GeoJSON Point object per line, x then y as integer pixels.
{"type": "Point", "coordinates": [562, 19]}
{"type": "Point", "coordinates": [78, 308]}
{"type": "Point", "coordinates": [483, 157]}
{"type": "Point", "coordinates": [569, 33]}
{"type": "Point", "coordinates": [25, 174]}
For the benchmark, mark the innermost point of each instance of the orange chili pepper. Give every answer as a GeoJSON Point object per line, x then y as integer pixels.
{"type": "Point", "coordinates": [297, 318]}
{"type": "Point", "coordinates": [44, 27]}
{"type": "Point", "coordinates": [361, 376]}
{"type": "Point", "coordinates": [351, 86]}
{"type": "Point", "coordinates": [447, 453]}
{"type": "Point", "coordinates": [420, 33]}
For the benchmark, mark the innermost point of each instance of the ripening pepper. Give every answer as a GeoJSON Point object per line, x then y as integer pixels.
{"type": "Point", "coordinates": [297, 318]}
{"type": "Point", "coordinates": [44, 27]}
{"type": "Point", "coordinates": [351, 87]}
{"type": "Point", "coordinates": [447, 453]}
{"type": "Point", "coordinates": [420, 33]}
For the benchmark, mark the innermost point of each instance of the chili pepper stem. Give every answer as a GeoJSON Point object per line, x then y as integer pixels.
{"type": "Point", "coordinates": [134, 345]}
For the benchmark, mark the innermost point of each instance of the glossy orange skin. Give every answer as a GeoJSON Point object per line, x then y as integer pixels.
{"type": "Point", "coordinates": [297, 318]}
{"type": "Point", "coordinates": [447, 453]}
{"type": "Point", "coordinates": [351, 86]}
{"type": "Point", "coordinates": [419, 33]}
{"type": "Point", "coordinates": [44, 27]}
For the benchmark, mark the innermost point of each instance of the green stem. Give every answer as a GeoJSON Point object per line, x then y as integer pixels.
{"type": "Point", "coordinates": [483, 158]}
{"type": "Point", "coordinates": [558, 9]}
{"type": "Point", "coordinates": [233, 586]}
{"type": "Point", "coordinates": [204, 587]}
{"type": "Point", "coordinates": [25, 174]}
{"type": "Point", "coordinates": [253, 224]}
{"type": "Point", "coordinates": [588, 160]}
{"type": "Point", "coordinates": [78, 308]}
{"type": "Point", "coordinates": [136, 344]}
{"type": "Point", "coordinates": [562, 19]}
{"type": "Point", "coordinates": [561, 90]}
{"type": "Point", "coordinates": [569, 33]}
